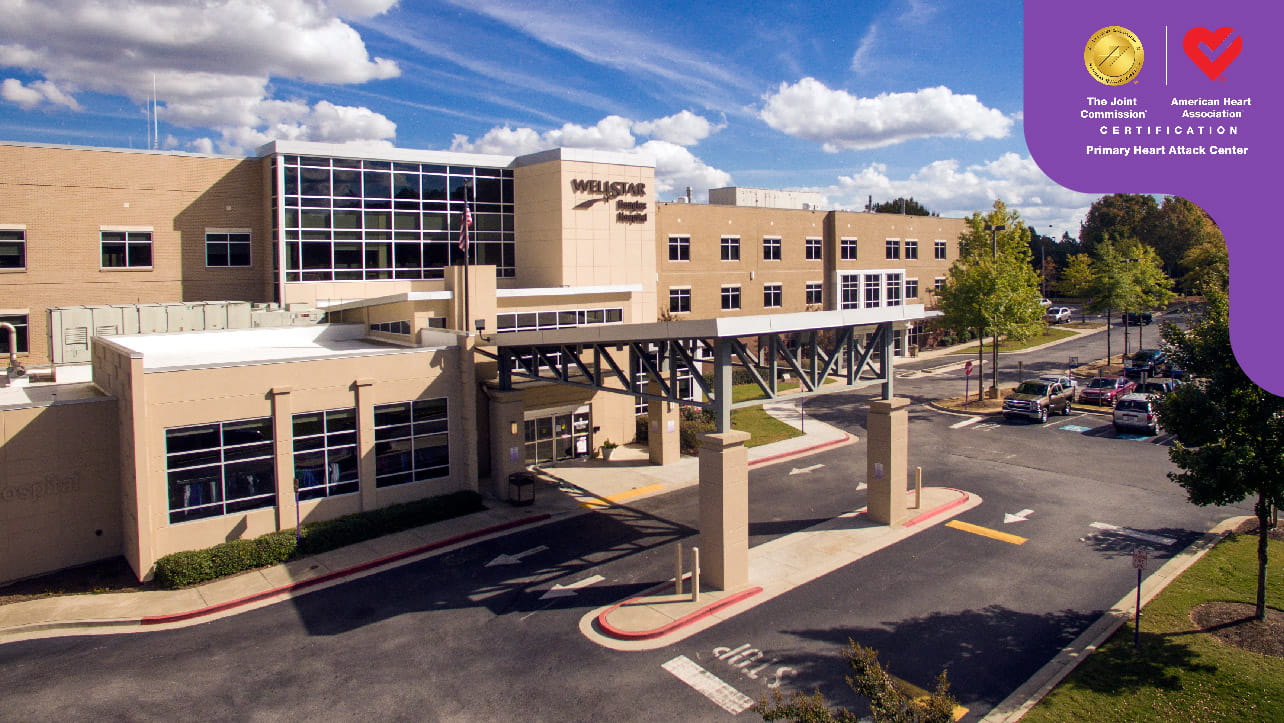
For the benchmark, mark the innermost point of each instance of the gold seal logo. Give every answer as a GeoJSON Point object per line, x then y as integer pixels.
{"type": "Point", "coordinates": [1113, 55]}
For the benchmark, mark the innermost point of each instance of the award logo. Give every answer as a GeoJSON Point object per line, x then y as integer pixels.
{"type": "Point", "coordinates": [1213, 67]}
{"type": "Point", "coordinates": [1113, 55]}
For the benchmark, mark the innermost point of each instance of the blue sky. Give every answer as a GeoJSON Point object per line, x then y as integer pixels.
{"type": "Point", "coordinates": [914, 98]}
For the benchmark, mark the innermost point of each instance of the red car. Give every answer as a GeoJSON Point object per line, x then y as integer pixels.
{"type": "Point", "coordinates": [1105, 390]}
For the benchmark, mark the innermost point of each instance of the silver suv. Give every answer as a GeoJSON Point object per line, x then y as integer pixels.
{"type": "Point", "coordinates": [1136, 412]}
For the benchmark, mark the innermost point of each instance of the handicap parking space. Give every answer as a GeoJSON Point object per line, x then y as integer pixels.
{"type": "Point", "coordinates": [1094, 424]}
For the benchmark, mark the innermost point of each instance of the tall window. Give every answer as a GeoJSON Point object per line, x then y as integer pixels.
{"type": "Point", "coordinates": [911, 249]}
{"type": "Point", "coordinates": [126, 249]}
{"type": "Point", "coordinates": [679, 301]}
{"type": "Point", "coordinates": [679, 248]}
{"type": "Point", "coordinates": [325, 453]}
{"type": "Point", "coordinates": [873, 289]}
{"type": "Point", "coordinates": [731, 297]}
{"type": "Point", "coordinates": [893, 248]}
{"type": "Point", "coordinates": [20, 322]}
{"type": "Point", "coordinates": [893, 289]}
{"type": "Point", "coordinates": [939, 249]}
{"type": "Point", "coordinates": [770, 249]}
{"type": "Point", "coordinates": [730, 246]}
{"type": "Point", "coordinates": [815, 293]}
{"type": "Point", "coordinates": [911, 288]}
{"type": "Point", "coordinates": [847, 249]}
{"type": "Point", "coordinates": [227, 249]}
{"type": "Point", "coordinates": [813, 249]}
{"type": "Point", "coordinates": [13, 249]}
{"type": "Point", "coordinates": [772, 295]}
{"type": "Point", "coordinates": [412, 442]}
{"type": "Point", "coordinates": [849, 291]}
{"type": "Point", "coordinates": [220, 468]}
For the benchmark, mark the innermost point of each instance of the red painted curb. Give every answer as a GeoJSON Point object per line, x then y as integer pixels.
{"type": "Point", "coordinates": [939, 510]}
{"type": "Point", "coordinates": [303, 584]}
{"type": "Point", "coordinates": [683, 621]}
{"type": "Point", "coordinates": [804, 450]}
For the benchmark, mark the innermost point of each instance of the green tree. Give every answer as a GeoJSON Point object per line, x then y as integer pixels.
{"type": "Point", "coordinates": [1229, 431]}
{"type": "Point", "coordinates": [1152, 287]}
{"type": "Point", "coordinates": [1180, 227]}
{"type": "Point", "coordinates": [1078, 277]}
{"type": "Point", "coordinates": [1119, 215]}
{"type": "Point", "coordinates": [907, 206]}
{"type": "Point", "coordinates": [890, 700]}
{"type": "Point", "coordinates": [1209, 265]}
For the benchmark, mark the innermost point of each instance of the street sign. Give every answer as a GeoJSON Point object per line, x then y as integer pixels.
{"type": "Point", "coordinates": [967, 369]}
{"type": "Point", "coordinates": [1139, 558]}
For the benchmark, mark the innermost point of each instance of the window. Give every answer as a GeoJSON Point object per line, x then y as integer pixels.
{"type": "Point", "coordinates": [731, 297]}
{"type": "Point", "coordinates": [939, 283]}
{"type": "Point", "coordinates": [911, 288]}
{"type": "Point", "coordinates": [770, 249]}
{"type": "Point", "coordinates": [939, 250]}
{"type": "Point", "coordinates": [564, 319]}
{"type": "Point", "coordinates": [815, 293]}
{"type": "Point", "coordinates": [13, 249]}
{"type": "Point", "coordinates": [412, 442]}
{"type": "Point", "coordinates": [220, 468]}
{"type": "Point", "coordinates": [19, 322]}
{"type": "Point", "coordinates": [393, 327]}
{"type": "Point", "coordinates": [849, 291]}
{"type": "Point", "coordinates": [730, 248]}
{"type": "Point", "coordinates": [227, 249]}
{"type": "Point", "coordinates": [679, 248]}
{"type": "Point", "coordinates": [847, 249]}
{"type": "Point", "coordinates": [873, 291]}
{"type": "Point", "coordinates": [679, 301]}
{"type": "Point", "coordinates": [911, 249]}
{"type": "Point", "coordinates": [126, 249]}
{"type": "Point", "coordinates": [893, 289]}
{"type": "Point", "coordinates": [813, 249]}
{"type": "Point", "coordinates": [893, 248]}
{"type": "Point", "coordinates": [325, 453]}
{"type": "Point", "coordinates": [772, 295]}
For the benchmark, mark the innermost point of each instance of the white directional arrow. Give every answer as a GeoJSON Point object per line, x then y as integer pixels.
{"type": "Point", "coordinates": [805, 470]}
{"type": "Point", "coordinates": [569, 590]}
{"type": "Point", "coordinates": [515, 559]}
{"type": "Point", "coordinates": [1021, 516]}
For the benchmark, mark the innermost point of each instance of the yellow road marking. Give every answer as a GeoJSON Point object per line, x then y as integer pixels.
{"type": "Point", "coordinates": [920, 695]}
{"type": "Point", "coordinates": [627, 495]}
{"type": "Point", "coordinates": [986, 532]}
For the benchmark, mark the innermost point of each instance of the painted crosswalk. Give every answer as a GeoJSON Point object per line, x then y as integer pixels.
{"type": "Point", "coordinates": [709, 685]}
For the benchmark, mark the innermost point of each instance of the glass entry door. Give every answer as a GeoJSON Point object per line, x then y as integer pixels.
{"type": "Point", "coordinates": [559, 436]}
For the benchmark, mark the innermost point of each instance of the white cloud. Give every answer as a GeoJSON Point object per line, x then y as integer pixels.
{"type": "Point", "coordinates": [839, 120]}
{"type": "Point", "coordinates": [676, 168]}
{"type": "Point", "coordinates": [40, 92]}
{"type": "Point", "coordinates": [684, 128]}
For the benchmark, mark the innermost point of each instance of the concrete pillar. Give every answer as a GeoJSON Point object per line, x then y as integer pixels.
{"type": "Point", "coordinates": [283, 433]}
{"type": "Point", "coordinates": [507, 439]}
{"type": "Point", "coordinates": [724, 510]}
{"type": "Point", "coordinates": [886, 466]}
{"type": "Point", "coordinates": [463, 442]}
{"type": "Point", "coordinates": [363, 389]}
{"type": "Point", "coordinates": [663, 442]}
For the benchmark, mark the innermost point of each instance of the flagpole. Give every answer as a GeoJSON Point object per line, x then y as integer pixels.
{"type": "Point", "coordinates": [464, 244]}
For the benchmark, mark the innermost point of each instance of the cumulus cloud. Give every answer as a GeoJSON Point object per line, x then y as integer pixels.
{"type": "Point", "coordinates": [675, 166]}
{"type": "Point", "coordinates": [211, 62]}
{"type": "Point", "coordinates": [839, 120]}
{"type": "Point", "coordinates": [40, 92]}
{"type": "Point", "coordinates": [296, 120]}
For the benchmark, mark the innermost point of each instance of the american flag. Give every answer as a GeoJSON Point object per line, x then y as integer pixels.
{"type": "Point", "coordinates": [463, 228]}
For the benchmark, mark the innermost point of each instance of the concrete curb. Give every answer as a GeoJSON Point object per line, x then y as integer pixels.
{"type": "Point", "coordinates": [785, 456]}
{"type": "Point", "coordinates": [1025, 697]}
{"type": "Point", "coordinates": [681, 622]}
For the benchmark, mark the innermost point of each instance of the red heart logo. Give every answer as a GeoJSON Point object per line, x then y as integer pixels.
{"type": "Point", "coordinates": [1212, 67]}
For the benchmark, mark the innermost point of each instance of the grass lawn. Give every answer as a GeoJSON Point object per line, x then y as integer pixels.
{"type": "Point", "coordinates": [1180, 673]}
{"type": "Point", "coordinates": [1049, 334]}
{"type": "Point", "coordinates": [747, 392]}
{"type": "Point", "coordinates": [763, 427]}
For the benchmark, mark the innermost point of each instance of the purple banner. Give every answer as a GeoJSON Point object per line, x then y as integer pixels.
{"type": "Point", "coordinates": [1199, 116]}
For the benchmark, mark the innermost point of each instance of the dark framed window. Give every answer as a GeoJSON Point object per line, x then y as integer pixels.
{"type": "Point", "coordinates": [730, 297]}
{"type": "Point", "coordinates": [770, 249]}
{"type": "Point", "coordinates": [393, 327]}
{"type": "Point", "coordinates": [815, 293]}
{"type": "Point", "coordinates": [893, 248]}
{"type": "Point", "coordinates": [412, 442]}
{"type": "Point", "coordinates": [911, 249]}
{"type": "Point", "coordinates": [13, 249]}
{"type": "Point", "coordinates": [220, 468]}
{"type": "Point", "coordinates": [227, 249]}
{"type": "Point", "coordinates": [847, 249]}
{"type": "Point", "coordinates": [679, 301]}
{"type": "Point", "coordinates": [911, 288]}
{"type": "Point", "coordinates": [20, 325]}
{"type": "Point", "coordinates": [325, 453]}
{"type": "Point", "coordinates": [813, 249]}
{"type": "Point", "coordinates": [873, 291]}
{"type": "Point", "coordinates": [939, 283]}
{"type": "Point", "coordinates": [564, 319]}
{"type": "Point", "coordinates": [730, 246]}
{"type": "Point", "coordinates": [679, 248]}
{"type": "Point", "coordinates": [939, 249]}
{"type": "Point", "coordinates": [772, 295]}
{"type": "Point", "coordinates": [126, 249]}
{"type": "Point", "coordinates": [894, 289]}
{"type": "Point", "coordinates": [849, 291]}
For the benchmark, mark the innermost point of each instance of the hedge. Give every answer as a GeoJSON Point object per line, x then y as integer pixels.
{"type": "Point", "coordinates": [191, 567]}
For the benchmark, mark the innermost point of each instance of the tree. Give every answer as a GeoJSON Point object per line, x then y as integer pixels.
{"type": "Point", "coordinates": [1078, 277]}
{"type": "Point", "coordinates": [1119, 215]}
{"type": "Point", "coordinates": [907, 206]}
{"type": "Point", "coordinates": [1229, 431]}
{"type": "Point", "coordinates": [1180, 227]}
{"type": "Point", "coordinates": [890, 700]}
{"type": "Point", "coordinates": [1209, 265]}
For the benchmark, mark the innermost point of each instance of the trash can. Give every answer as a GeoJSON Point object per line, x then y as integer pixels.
{"type": "Point", "coordinates": [521, 488]}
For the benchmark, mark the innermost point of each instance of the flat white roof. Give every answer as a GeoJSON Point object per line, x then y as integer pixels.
{"type": "Point", "coordinates": [237, 347]}
{"type": "Point", "coordinates": [44, 395]}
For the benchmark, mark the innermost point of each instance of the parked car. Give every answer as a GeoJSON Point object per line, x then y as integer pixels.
{"type": "Point", "coordinates": [1067, 382]}
{"type": "Point", "coordinates": [1105, 390]}
{"type": "Point", "coordinates": [1035, 399]}
{"type": "Point", "coordinates": [1156, 387]}
{"type": "Point", "coordinates": [1138, 318]}
{"type": "Point", "coordinates": [1150, 362]}
{"type": "Point", "coordinates": [1045, 302]}
{"type": "Point", "coordinates": [1058, 315]}
{"type": "Point", "coordinates": [1136, 411]}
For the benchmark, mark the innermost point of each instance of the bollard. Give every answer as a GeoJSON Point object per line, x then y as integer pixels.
{"type": "Point", "coordinates": [695, 574]}
{"type": "Point", "coordinates": [677, 571]}
{"type": "Point", "coordinates": [918, 488]}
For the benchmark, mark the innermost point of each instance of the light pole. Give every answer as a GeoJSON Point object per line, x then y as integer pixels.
{"type": "Point", "coordinates": [994, 230]}
{"type": "Point", "coordinates": [1125, 314]}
